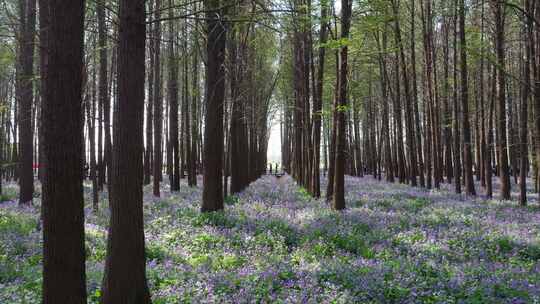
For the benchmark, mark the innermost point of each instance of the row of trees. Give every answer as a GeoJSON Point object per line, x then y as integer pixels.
{"type": "Point", "coordinates": [118, 87]}
{"type": "Point", "coordinates": [461, 106]}
{"type": "Point", "coordinates": [174, 91]}
{"type": "Point", "coordinates": [120, 93]}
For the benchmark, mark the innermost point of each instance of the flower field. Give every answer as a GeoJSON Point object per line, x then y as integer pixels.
{"type": "Point", "coordinates": [274, 244]}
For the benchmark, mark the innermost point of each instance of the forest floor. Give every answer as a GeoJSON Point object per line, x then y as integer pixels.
{"type": "Point", "coordinates": [273, 243]}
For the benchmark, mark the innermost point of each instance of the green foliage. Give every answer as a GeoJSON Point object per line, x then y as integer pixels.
{"type": "Point", "coordinates": [8, 194]}
{"type": "Point", "coordinates": [16, 223]}
{"type": "Point", "coordinates": [231, 200]}
{"type": "Point", "coordinates": [156, 253]}
{"type": "Point", "coordinates": [280, 229]}
{"type": "Point", "coordinates": [218, 219]}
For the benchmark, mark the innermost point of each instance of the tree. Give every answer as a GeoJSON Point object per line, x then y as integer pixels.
{"type": "Point", "coordinates": [215, 92]}
{"type": "Point", "coordinates": [158, 103]}
{"type": "Point", "coordinates": [91, 122]}
{"type": "Point", "coordinates": [125, 267]}
{"type": "Point", "coordinates": [338, 198]}
{"type": "Point", "coordinates": [418, 131]}
{"type": "Point", "coordinates": [467, 154]}
{"type": "Point", "coordinates": [499, 16]}
{"type": "Point", "coordinates": [192, 175]}
{"type": "Point", "coordinates": [61, 26]}
{"type": "Point", "coordinates": [25, 97]}
{"type": "Point", "coordinates": [526, 87]}
{"type": "Point", "coordinates": [149, 143]}
{"type": "Point", "coordinates": [455, 124]}
{"type": "Point", "coordinates": [104, 99]}
{"type": "Point", "coordinates": [173, 100]}
{"type": "Point", "coordinates": [317, 103]}
{"type": "Point", "coordinates": [408, 102]}
{"type": "Point", "coordinates": [536, 72]}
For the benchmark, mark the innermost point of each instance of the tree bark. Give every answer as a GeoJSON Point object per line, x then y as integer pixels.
{"type": "Point", "coordinates": [499, 16]}
{"type": "Point", "coordinates": [411, 152]}
{"type": "Point", "coordinates": [149, 151]}
{"type": "Point", "coordinates": [467, 159]}
{"type": "Point", "coordinates": [104, 97]}
{"type": "Point", "coordinates": [25, 98]}
{"type": "Point", "coordinates": [215, 92]}
{"type": "Point", "coordinates": [455, 125]}
{"type": "Point", "coordinates": [317, 104]}
{"type": "Point", "coordinates": [158, 105]}
{"type": "Point", "coordinates": [63, 202]}
{"type": "Point", "coordinates": [339, 170]}
{"type": "Point", "coordinates": [125, 267]}
{"type": "Point", "coordinates": [173, 100]}
{"type": "Point", "coordinates": [526, 87]}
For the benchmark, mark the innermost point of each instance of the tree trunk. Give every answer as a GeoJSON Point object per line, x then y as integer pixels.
{"type": "Point", "coordinates": [411, 152]}
{"type": "Point", "coordinates": [499, 16]}
{"type": "Point", "coordinates": [158, 104]}
{"type": "Point", "coordinates": [339, 170]}
{"type": "Point", "coordinates": [125, 267]}
{"type": "Point", "coordinates": [194, 118]}
{"type": "Point", "coordinates": [536, 66]}
{"type": "Point", "coordinates": [385, 108]}
{"type": "Point", "coordinates": [317, 104]}
{"type": "Point", "coordinates": [63, 203]}
{"type": "Point", "coordinates": [524, 166]}
{"type": "Point", "coordinates": [455, 125]}
{"type": "Point", "coordinates": [488, 157]}
{"type": "Point", "coordinates": [418, 130]}
{"type": "Point", "coordinates": [447, 115]}
{"type": "Point", "coordinates": [149, 144]}
{"type": "Point", "coordinates": [467, 161]}
{"type": "Point", "coordinates": [173, 100]}
{"type": "Point", "coordinates": [91, 112]}
{"type": "Point", "coordinates": [332, 143]}
{"type": "Point", "coordinates": [215, 92]}
{"type": "Point", "coordinates": [25, 98]}
{"type": "Point", "coordinates": [104, 98]}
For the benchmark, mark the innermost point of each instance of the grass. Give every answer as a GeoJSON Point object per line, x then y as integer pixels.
{"type": "Point", "coordinates": [275, 244]}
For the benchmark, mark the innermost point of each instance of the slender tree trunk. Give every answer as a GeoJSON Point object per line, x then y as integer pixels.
{"type": "Point", "coordinates": [104, 96]}
{"type": "Point", "coordinates": [447, 116]}
{"type": "Point", "coordinates": [398, 124]}
{"type": "Point", "coordinates": [339, 170]}
{"type": "Point", "coordinates": [488, 157]}
{"type": "Point", "coordinates": [26, 98]}
{"type": "Point", "coordinates": [456, 135]}
{"type": "Point", "coordinates": [411, 152]}
{"type": "Point", "coordinates": [158, 105]}
{"type": "Point", "coordinates": [467, 161]}
{"type": "Point", "coordinates": [483, 143]}
{"type": "Point", "coordinates": [187, 120]}
{"type": "Point", "coordinates": [173, 100]}
{"type": "Point", "coordinates": [149, 144]}
{"type": "Point", "coordinates": [499, 16]}
{"type": "Point", "coordinates": [125, 267]}
{"type": "Point", "coordinates": [524, 166]}
{"type": "Point", "coordinates": [194, 116]}
{"type": "Point", "coordinates": [317, 104]}
{"type": "Point", "coordinates": [215, 92]}
{"type": "Point", "coordinates": [418, 130]}
{"type": "Point", "coordinates": [385, 108]}
{"type": "Point", "coordinates": [333, 138]}
{"type": "Point", "coordinates": [535, 50]}
{"type": "Point", "coordinates": [91, 112]}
